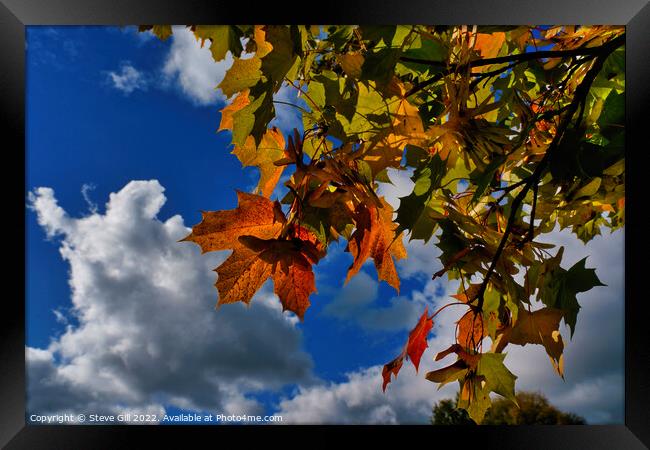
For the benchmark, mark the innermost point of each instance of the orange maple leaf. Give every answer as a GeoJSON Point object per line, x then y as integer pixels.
{"type": "Point", "coordinates": [414, 348]}
{"type": "Point", "coordinates": [489, 44]}
{"type": "Point", "coordinates": [253, 231]}
{"type": "Point", "coordinates": [254, 216]}
{"type": "Point", "coordinates": [239, 102]}
{"type": "Point", "coordinates": [471, 329]}
{"type": "Point", "coordinates": [375, 237]}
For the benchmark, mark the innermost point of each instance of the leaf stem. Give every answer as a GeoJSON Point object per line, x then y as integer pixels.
{"type": "Point", "coordinates": [444, 306]}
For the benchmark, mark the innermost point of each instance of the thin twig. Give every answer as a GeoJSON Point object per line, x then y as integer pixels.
{"type": "Point", "coordinates": [518, 58]}
{"type": "Point", "coordinates": [581, 91]}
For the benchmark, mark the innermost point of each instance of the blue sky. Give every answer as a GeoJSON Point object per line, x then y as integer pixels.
{"type": "Point", "coordinates": [121, 138]}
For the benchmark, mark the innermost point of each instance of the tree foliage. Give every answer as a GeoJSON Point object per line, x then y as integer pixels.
{"type": "Point", "coordinates": [532, 408]}
{"type": "Point", "coordinates": [507, 131]}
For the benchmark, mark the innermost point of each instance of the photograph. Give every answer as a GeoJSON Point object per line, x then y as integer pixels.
{"type": "Point", "coordinates": [325, 224]}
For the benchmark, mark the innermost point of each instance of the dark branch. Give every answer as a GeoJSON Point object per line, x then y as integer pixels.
{"type": "Point", "coordinates": [480, 76]}
{"type": "Point", "coordinates": [421, 85]}
{"type": "Point", "coordinates": [530, 235]}
{"type": "Point", "coordinates": [580, 93]}
{"type": "Point", "coordinates": [523, 57]}
{"type": "Point", "coordinates": [606, 48]}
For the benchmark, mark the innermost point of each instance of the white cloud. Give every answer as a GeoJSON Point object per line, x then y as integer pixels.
{"type": "Point", "coordinates": [128, 79]}
{"type": "Point", "coordinates": [193, 69]}
{"type": "Point", "coordinates": [356, 303]}
{"type": "Point", "coordinates": [359, 399]}
{"type": "Point", "coordinates": [86, 188]}
{"type": "Point", "coordinates": [148, 335]}
{"type": "Point", "coordinates": [401, 185]}
{"type": "Point", "coordinates": [287, 114]}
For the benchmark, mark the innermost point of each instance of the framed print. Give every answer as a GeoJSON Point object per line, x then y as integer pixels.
{"type": "Point", "coordinates": [351, 218]}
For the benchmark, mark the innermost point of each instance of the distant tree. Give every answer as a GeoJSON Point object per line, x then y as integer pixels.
{"type": "Point", "coordinates": [445, 412]}
{"type": "Point", "coordinates": [534, 409]}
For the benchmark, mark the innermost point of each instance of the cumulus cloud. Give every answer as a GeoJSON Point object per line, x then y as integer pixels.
{"type": "Point", "coordinates": [187, 68]}
{"type": "Point", "coordinates": [400, 185]}
{"type": "Point", "coordinates": [288, 114]}
{"type": "Point", "coordinates": [360, 400]}
{"type": "Point", "coordinates": [357, 303]}
{"type": "Point", "coordinates": [193, 69]}
{"type": "Point", "coordinates": [127, 79]}
{"type": "Point", "coordinates": [147, 335]}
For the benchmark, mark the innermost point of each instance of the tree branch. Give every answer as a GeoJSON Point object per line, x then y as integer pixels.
{"type": "Point", "coordinates": [517, 59]}
{"type": "Point", "coordinates": [580, 93]}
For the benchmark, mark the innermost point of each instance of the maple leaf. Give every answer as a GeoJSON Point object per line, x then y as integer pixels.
{"type": "Point", "coordinates": [392, 368]}
{"type": "Point", "coordinates": [243, 74]}
{"type": "Point", "coordinates": [263, 47]}
{"type": "Point", "coordinates": [560, 287]}
{"type": "Point", "coordinates": [415, 346]}
{"type": "Point", "coordinates": [539, 327]}
{"type": "Point", "coordinates": [474, 397]}
{"type": "Point", "coordinates": [489, 44]}
{"type": "Point", "coordinates": [419, 210]}
{"type": "Point", "coordinates": [289, 262]}
{"type": "Point", "coordinates": [497, 376]}
{"type": "Point", "coordinates": [375, 237]}
{"type": "Point", "coordinates": [384, 153]}
{"type": "Point", "coordinates": [467, 360]}
{"type": "Point", "coordinates": [282, 59]}
{"type": "Point", "coordinates": [351, 63]}
{"type": "Point", "coordinates": [406, 128]}
{"type": "Point", "coordinates": [471, 329]}
{"type": "Point", "coordinates": [263, 156]}
{"type": "Point", "coordinates": [417, 342]}
{"type": "Point", "coordinates": [240, 276]}
{"type": "Point", "coordinates": [238, 103]}
{"type": "Point", "coordinates": [252, 231]}
{"type": "Point", "coordinates": [407, 122]}
{"type": "Point", "coordinates": [223, 38]}
{"type": "Point", "coordinates": [220, 230]}
{"type": "Point", "coordinates": [478, 374]}
{"type": "Point", "coordinates": [447, 374]}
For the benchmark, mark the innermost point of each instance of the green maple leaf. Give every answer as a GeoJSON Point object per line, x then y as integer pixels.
{"type": "Point", "coordinates": [379, 66]}
{"type": "Point", "coordinates": [561, 286]}
{"type": "Point", "coordinates": [254, 117]}
{"type": "Point", "coordinates": [223, 38]}
{"type": "Point", "coordinates": [479, 398]}
{"type": "Point", "coordinates": [243, 74]}
{"type": "Point", "coordinates": [417, 211]}
{"type": "Point", "coordinates": [282, 60]}
{"type": "Point", "coordinates": [498, 378]}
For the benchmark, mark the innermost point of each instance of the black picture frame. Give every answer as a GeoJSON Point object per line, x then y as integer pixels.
{"type": "Point", "coordinates": [16, 14]}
